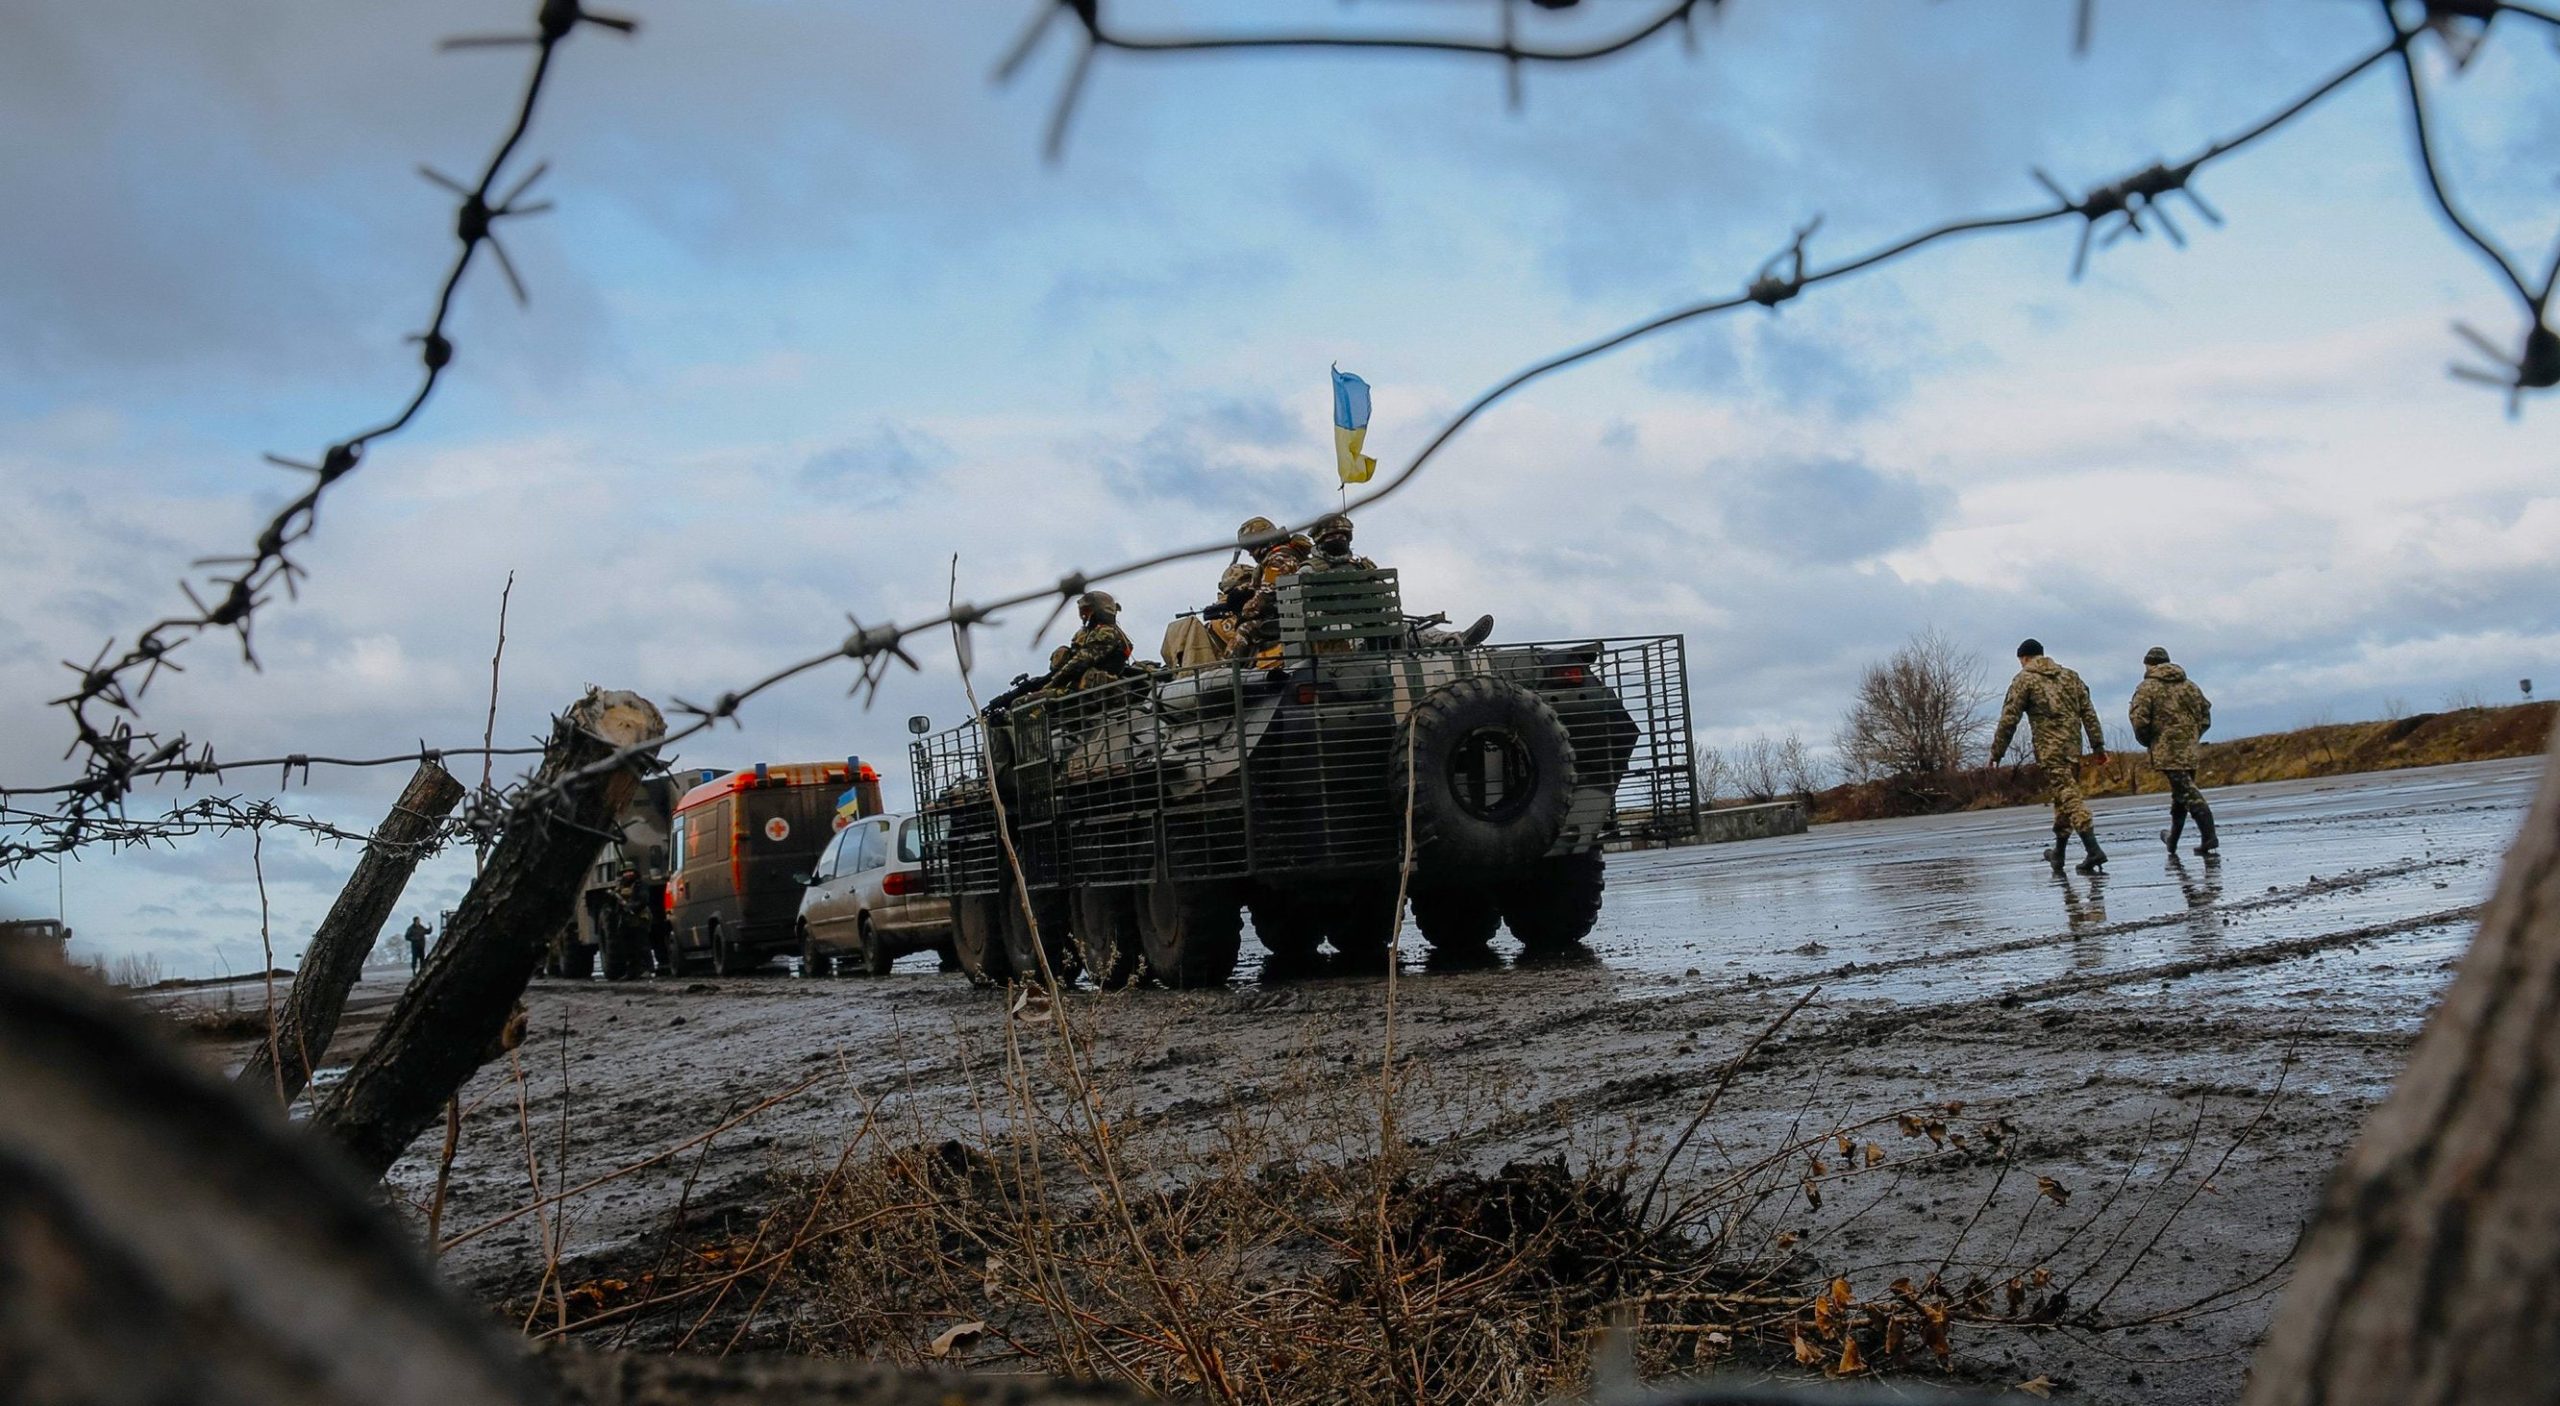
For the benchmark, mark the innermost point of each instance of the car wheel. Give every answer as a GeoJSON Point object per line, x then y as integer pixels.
{"type": "Point", "coordinates": [876, 956]}
{"type": "Point", "coordinates": [813, 963]}
{"type": "Point", "coordinates": [726, 959]}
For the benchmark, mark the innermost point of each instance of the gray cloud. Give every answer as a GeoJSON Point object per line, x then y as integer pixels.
{"type": "Point", "coordinates": [1832, 511]}
{"type": "Point", "coordinates": [877, 469]}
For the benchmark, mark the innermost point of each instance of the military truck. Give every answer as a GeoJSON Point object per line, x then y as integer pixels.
{"type": "Point", "coordinates": [599, 927]}
{"type": "Point", "coordinates": [46, 936]}
{"type": "Point", "coordinates": [1150, 815]}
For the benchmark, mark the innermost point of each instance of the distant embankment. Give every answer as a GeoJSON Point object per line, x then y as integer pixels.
{"type": "Point", "coordinates": [2427, 739]}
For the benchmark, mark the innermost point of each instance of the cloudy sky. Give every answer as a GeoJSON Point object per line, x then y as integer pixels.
{"type": "Point", "coordinates": [813, 316]}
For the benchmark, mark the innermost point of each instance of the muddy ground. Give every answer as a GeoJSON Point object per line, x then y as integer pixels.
{"type": "Point", "coordinates": [2134, 1028]}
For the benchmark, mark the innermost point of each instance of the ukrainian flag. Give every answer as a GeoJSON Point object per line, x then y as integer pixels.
{"type": "Point", "coordinates": [1351, 427]}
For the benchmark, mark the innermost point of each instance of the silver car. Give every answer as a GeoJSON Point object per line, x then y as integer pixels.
{"type": "Point", "coordinates": [866, 903]}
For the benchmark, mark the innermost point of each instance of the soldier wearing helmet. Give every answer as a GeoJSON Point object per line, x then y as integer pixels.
{"type": "Point", "coordinates": [1258, 619]}
{"type": "Point", "coordinates": [1223, 616]}
{"type": "Point", "coordinates": [1099, 652]}
{"type": "Point", "coordinates": [1332, 534]}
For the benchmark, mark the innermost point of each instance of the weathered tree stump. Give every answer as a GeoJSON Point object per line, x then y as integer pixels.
{"type": "Point", "coordinates": [2432, 1272]}
{"type": "Point", "coordinates": [335, 957]}
{"type": "Point", "coordinates": [165, 1236]}
{"type": "Point", "coordinates": [459, 1003]}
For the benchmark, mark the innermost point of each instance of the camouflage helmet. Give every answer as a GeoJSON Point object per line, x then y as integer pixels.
{"type": "Point", "coordinates": [1101, 603]}
{"type": "Point", "coordinates": [2157, 654]}
{"type": "Point", "coordinates": [1331, 526]}
{"type": "Point", "coordinates": [1236, 577]}
{"type": "Point", "coordinates": [1253, 527]}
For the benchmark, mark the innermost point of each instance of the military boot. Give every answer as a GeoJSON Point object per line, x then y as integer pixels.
{"type": "Point", "coordinates": [2207, 841]}
{"type": "Point", "coordinates": [2056, 853]}
{"type": "Point", "coordinates": [1478, 632]}
{"type": "Point", "coordinates": [2177, 825]}
{"type": "Point", "coordinates": [2095, 859]}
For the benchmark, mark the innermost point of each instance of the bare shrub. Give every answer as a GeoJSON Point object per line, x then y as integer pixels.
{"type": "Point", "coordinates": [1715, 774]}
{"type": "Point", "coordinates": [2467, 696]}
{"type": "Point", "coordinates": [2394, 708]}
{"type": "Point", "coordinates": [1759, 771]}
{"type": "Point", "coordinates": [1805, 772]}
{"type": "Point", "coordinates": [132, 970]}
{"type": "Point", "coordinates": [1922, 711]}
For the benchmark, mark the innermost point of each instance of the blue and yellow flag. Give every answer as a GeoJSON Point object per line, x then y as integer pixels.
{"type": "Point", "coordinates": [1350, 427]}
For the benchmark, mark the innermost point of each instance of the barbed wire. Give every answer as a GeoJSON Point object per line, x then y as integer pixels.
{"type": "Point", "coordinates": [104, 707]}
{"type": "Point", "coordinates": [203, 815]}
{"type": "Point", "coordinates": [2130, 205]}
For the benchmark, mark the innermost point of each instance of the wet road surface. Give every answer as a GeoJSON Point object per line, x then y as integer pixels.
{"type": "Point", "coordinates": [2135, 1028]}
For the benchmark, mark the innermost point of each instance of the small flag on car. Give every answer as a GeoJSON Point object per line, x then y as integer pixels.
{"type": "Point", "coordinates": [1351, 427]}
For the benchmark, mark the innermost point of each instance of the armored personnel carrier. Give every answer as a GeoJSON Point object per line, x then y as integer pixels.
{"type": "Point", "coordinates": [1150, 816]}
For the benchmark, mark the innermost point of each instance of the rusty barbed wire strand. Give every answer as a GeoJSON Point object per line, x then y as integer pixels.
{"type": "Point", "coordinates": [113, 751]}
{"type": "Point", "coordinates": [210, 815]}
{"type": "Point", "coordinates": [2106, 213]}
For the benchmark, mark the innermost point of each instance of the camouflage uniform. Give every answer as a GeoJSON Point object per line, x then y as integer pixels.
{"type": "Point", "coordinates": [2056, 703]}
{"type": "Point", "coordinates": [1098, 654]}
{"type": "Point", "coordinates": [1258, 620]}
{"type": "Point", "coordinates": [1224, 619]}
{"type": "Point", "coordinates": [2170, 715]}
{"type": "Point", "coordinates": [1321, 560]}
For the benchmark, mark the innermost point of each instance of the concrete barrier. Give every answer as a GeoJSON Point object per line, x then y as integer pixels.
{"type": "Point", "coordinates": [1758, 822]}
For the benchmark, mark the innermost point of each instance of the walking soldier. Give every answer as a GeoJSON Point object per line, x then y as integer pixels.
{"type": "Point", "coordinates": [2170, 716]}
{"type": "Point", "coordinates": [2056, 705]}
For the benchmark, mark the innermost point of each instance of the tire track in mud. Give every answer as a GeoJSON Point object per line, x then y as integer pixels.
{"type": "Point", "coordinates": [1673, 1014]}
{"type": "Point", "coordinates": [1861, 1029]}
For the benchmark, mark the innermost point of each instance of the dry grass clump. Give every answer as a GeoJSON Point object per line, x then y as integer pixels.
{"type": "Point", "coordinates": [1304, 1251]}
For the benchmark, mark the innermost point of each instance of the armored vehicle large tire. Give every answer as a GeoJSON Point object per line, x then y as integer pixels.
{"type": "Point", "coordinates": [1106, 927]}
{"type": "Point", "coordinates": [1491, 779]}
{"type": "Point", "coordinates": [1456, 919]}
{"type": "Point", "coordinates": [977, 936]}
{"type": "Point", "coordinates": [1191, 930]}
{"type": "Point", "coordinates": [1361, 922]}
{"type": "Point", "coordinates": [1551, 905]}
{"type": "Point", "coordinates": [1022, 945]}
{"type": "Point", "coordinates": [1286, 923]}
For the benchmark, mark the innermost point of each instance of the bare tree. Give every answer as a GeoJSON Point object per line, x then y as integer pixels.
{"type": "Point", "coordinates": [1922, 710]}
{"type": "Point", "coordinates": [1804, 772]}
{"type": "Point", "coordinates": [1714, 773]}
{"type": "Point", "coordinates": [1757, 771]}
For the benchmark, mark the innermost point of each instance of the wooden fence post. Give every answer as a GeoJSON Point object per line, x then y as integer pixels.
{"type": "Point", "coordinates": [459, 1002]}
{"type": "Point", "coordinates": [335, 958]}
